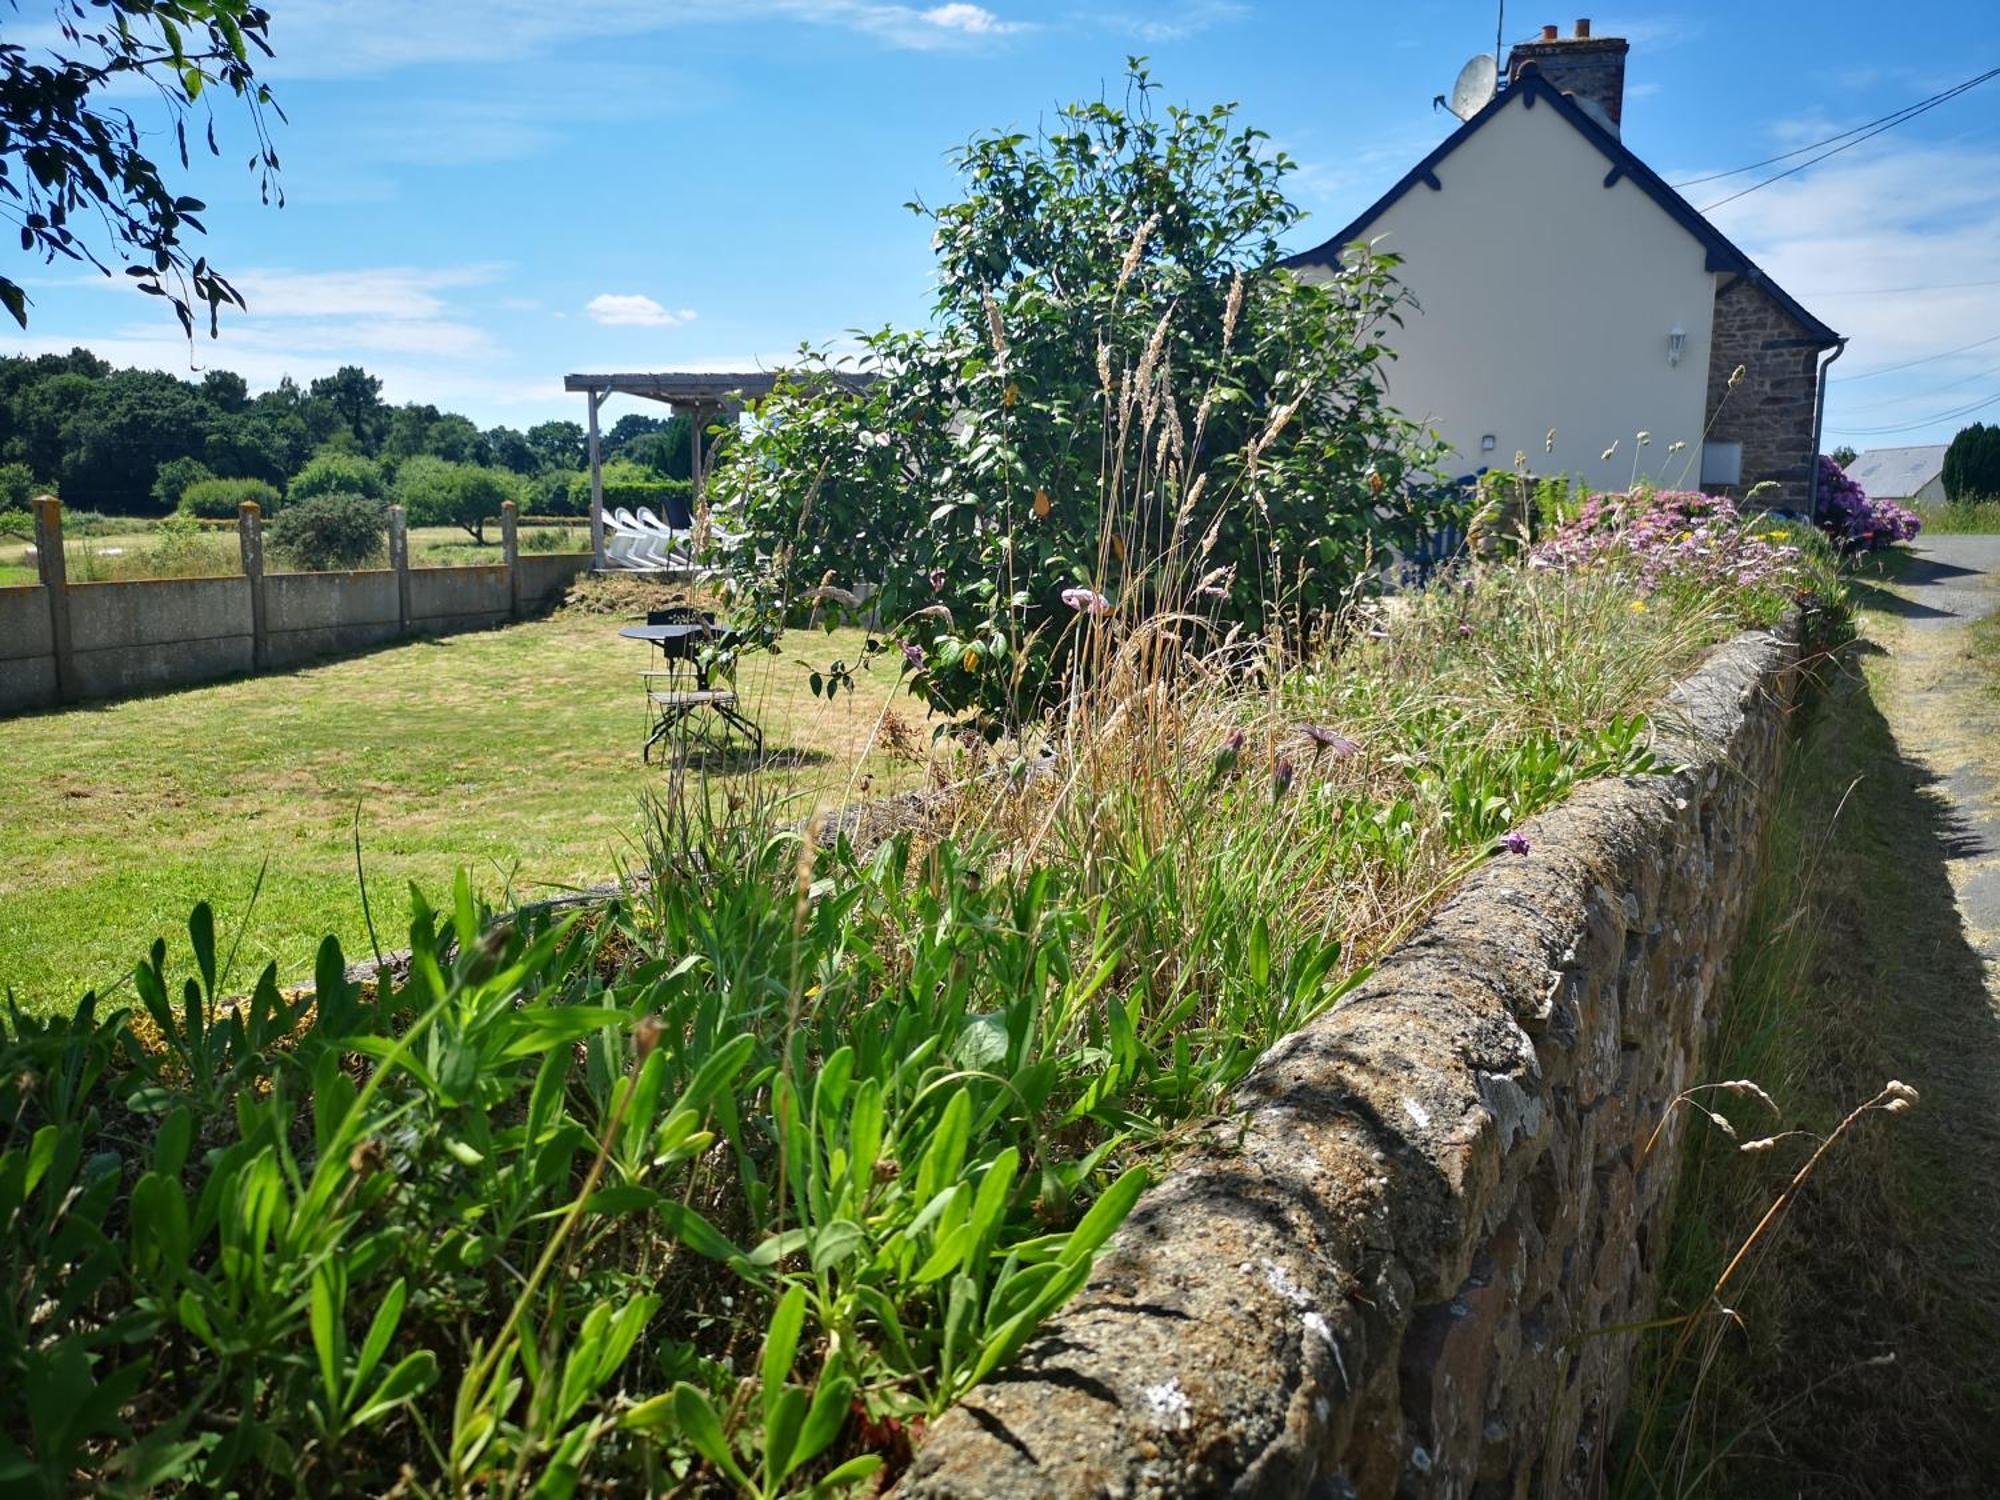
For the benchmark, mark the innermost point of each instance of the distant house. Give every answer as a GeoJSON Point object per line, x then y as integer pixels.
{"type": "Point", "coordinates": [1562, 287]}
{"type": "Point", "coordinates": [1905, 474]}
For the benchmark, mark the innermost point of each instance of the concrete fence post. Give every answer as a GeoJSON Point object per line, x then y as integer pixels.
{"type": "Point", "coordinates": [54, 569]}
{"type": "Point", "coordinates": [399, 559]}
{"type": "Point", "coordinates": [510, 547]}
{"type": "Point", "coordinates": [250, 535]}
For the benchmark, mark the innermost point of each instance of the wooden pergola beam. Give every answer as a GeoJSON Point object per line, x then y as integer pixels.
{"type": "Point", "coordinates": [697, 392]}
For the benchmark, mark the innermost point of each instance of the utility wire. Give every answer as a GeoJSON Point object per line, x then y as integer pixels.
{"type": "Point", "coordinates": [1943, 416]}
{"type": "Point", "coordinates": [1911, 364]}
{"type": "Point", "coordinates": [1898, 291]}
{"type": "Point", "coordinates": [1847, 141]}
{"type": "Point", "coordinates": [1931, 392]}
{"type": "Point", "coordinates": [1771, 161]}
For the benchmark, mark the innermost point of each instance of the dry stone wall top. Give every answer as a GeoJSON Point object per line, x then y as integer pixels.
{"type": "Point", "coordinates": [1389, 1271]}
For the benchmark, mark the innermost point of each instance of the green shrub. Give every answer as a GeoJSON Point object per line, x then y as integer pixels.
{"type": "Point", "coordinates": [172, 479]}
{"type": "Point", "coordinates": [219, 499]}
{"type": "Point", "coordinates": [329, 533]}
{"type": "Point", "coordinates": [335, 473]}
{"type": "Point", "coordinates": [1972, 464]}
{"type": "Point", "coordinates": [17, 486]}
{"type": "Point", "coordinates": [17, 523]}
{"type": "Point", "coordinates": [437, 492]}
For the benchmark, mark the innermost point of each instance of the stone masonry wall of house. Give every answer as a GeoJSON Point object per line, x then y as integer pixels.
{"type": "Point", "coordinates": [1387, 1272]}
{"type": "Point", "coordinates": [1770, 412]}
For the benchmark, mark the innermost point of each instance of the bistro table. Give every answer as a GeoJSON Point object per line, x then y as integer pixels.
{"type": "Point", "coordinates": [682, 688]}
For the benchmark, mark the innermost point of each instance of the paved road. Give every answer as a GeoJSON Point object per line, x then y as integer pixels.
{"type": "Point", "coordinates": [1947, 718]}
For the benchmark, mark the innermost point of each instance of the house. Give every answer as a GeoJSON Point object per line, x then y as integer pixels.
{"type": "Point", "coordinates": [1566, 300]}
{"type": "Point", "coordinates": [1904, 474]}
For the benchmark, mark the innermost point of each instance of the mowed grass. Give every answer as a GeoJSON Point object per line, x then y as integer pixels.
{"type": "Point", "coordinates": [514, 753]}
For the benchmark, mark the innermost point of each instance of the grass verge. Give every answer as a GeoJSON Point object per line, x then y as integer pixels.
{"type": "Point", "coordinates": [1860, 1361]}
{"type": "Point", "coordinates": [1960, 516]}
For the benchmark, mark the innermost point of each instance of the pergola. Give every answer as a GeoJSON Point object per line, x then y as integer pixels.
{"type": "Point", "coordinates": [703, 396]}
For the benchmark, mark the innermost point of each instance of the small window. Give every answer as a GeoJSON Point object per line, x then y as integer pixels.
{"type": "Point", "coordinates": [1721, 464]}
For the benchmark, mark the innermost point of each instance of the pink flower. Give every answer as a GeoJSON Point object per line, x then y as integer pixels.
{"type": "Point", "coordinates": [1087, 600]}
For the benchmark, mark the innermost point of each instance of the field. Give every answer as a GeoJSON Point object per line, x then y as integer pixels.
{"type": "Point", "coordinates": [514, 752]}
{"type": "Point", "coordinates": [142, 553]}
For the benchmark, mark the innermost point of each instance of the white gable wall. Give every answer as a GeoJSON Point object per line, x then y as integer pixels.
{"type": "Point", "coordinates": [1544, 301]}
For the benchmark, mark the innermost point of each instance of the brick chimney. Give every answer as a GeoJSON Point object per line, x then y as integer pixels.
{"type": "Point", "coordinates": [1590, 69]}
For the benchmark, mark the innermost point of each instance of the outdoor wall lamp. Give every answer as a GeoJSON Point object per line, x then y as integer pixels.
{"type": "Point", "coordinates": [1677, 342]}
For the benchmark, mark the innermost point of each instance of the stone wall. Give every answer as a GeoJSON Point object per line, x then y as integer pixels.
{"type": "Point", "coordinates": [1770, 411]}
{"type": "Point", "coordinates": [1389, 1272]}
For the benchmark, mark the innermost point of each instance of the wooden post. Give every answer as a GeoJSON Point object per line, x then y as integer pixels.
{"type": "Point", "coordinates": [54, 568]}
{"type": "Point", "coordinates": [250, 535]}
{"type": "Point", "coordinates": [596, 487]}
{"type": "Point", "coordinates": [399, 559]}
{"type": "Point", "coordinates": [694, 457]}
{"type": "Point", "coordinates": [510, 547]}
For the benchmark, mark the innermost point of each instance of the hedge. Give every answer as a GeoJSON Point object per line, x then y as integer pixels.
{"type": "Point", "coordinates": [219, 499]}
{"type": "Point", "coordinates": [654, 494]}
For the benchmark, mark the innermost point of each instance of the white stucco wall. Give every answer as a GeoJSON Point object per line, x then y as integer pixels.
{"type": "Point", "coordinates": [1544, 301]}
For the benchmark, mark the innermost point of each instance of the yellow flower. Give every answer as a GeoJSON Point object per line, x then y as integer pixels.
{"type": "Point", "coordinates": [1774, 536]}
{"type": "Point", "coordinates": [970, 661]}
{"type": "Point", "coordinates": [1012, 394]}
{"type": "Point", "coordinates": [1638, 606]}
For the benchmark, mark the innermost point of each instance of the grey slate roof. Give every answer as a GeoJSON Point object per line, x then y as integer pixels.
{"type": "Point", "coordinates": [1897, 473]}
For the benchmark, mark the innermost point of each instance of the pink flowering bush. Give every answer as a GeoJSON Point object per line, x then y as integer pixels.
{"type": "Point", "coordinates": [1854, 521]}
{"type": "Point", "coordinates": [1672, 538]}
{"type": "Point", "coordinates": [1683, 548]}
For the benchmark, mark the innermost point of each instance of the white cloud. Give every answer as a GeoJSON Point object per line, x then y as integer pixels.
{"type": "Point", "coordinates": [343, 38]}
{"type": "Point", "coordinates": [1880, 244]}
{"type": "Point", "coordinates": [1175, 23]}
{"type": "Point", "coordinates": [630, 310]}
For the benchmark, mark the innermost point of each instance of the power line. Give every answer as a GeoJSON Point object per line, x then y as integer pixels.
{"type": "Point", "coordinates": [1771, 161]}
{"type": "Point", "coordinates": [1911, 364]}
{"type": "Point", "coordinates": [1850, 140]}
{"type": "Point", "coordinates": [1943, 416]}
{"type": "Point", "coordinates": [1931, 391]}
{"type": "Point", "coordinates": [1898, 291]}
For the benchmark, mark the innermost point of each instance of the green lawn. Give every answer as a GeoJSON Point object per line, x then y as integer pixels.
{"type": "Point", "coordinates": [512, 752]}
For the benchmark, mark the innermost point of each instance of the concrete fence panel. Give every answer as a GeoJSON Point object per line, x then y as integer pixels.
{"type": "Point", "coordinates": [63, 643]}
{"type": "Point", "coordinates": [312, 615]}
{"type": "Point", "coordinates": [161, 633]}
{"type": "Point", "coordinates": [27, 650]}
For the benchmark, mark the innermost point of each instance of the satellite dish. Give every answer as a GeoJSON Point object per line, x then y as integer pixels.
{"type": "Point", "coordinates": [1477, 82]}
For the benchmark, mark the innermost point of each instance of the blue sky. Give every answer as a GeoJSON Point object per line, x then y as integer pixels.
{"type": "Point", "coordinates": [484, 194]}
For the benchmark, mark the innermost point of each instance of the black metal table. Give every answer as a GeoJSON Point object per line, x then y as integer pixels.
{"type": "Point", "coordinates": [682, 689]}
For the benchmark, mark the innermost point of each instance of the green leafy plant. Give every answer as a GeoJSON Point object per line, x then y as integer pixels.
{"type": "Point", "coordinates": [331, 532]}
{"type": "Point", "coordinates": [1119, 404]}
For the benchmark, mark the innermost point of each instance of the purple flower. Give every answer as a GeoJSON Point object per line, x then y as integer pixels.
{"type": "Point", "coordinates": [914, 656]}
{"type": "Point", "coordinates": [1329, 739]}
{"type": "Point", "coordinates": [1281, 778]}
{"type": "Point", "coordinates": [1088, 600]}
{"type": "Point", "coordinates": [1514, 843]}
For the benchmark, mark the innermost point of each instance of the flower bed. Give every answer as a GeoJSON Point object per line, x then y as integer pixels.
{"type": "Point", "coordinates": [734, 1184]}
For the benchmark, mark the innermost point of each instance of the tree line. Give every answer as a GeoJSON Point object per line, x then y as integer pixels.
{"type": "Point", "coordinates": [138, 442]}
